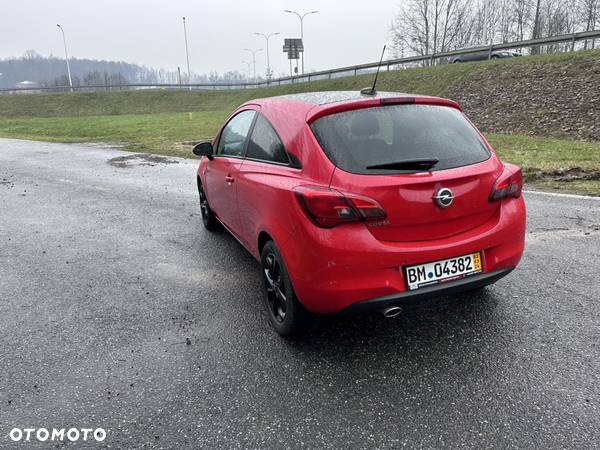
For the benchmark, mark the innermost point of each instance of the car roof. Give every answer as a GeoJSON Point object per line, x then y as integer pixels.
{"type": "Point", "coordinates": [327, 97]}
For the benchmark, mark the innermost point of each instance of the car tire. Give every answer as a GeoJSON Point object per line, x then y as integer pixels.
{"type": "Point", "coordinates": [495, 57]}
{"type": "Point", "coordinates": [286, 314]}
{"type": "Point", "coordinates": [210, 221]}
{"type": "Point", "coordinates": [456, 61]}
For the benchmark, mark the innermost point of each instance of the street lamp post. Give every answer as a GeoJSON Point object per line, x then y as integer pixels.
{"type": "Point", "coordinates": [267, 37]}
{"type": "Point", "coordinates": [301, 17]}
{"type": "Point", "coordinates": [66, 56]}
{"type": "Point", "coordinates": [248, 63]}
{"type": "Point", "coordinates": [254, 52]}
{"type": "Point", "coordinates": [187, 55]}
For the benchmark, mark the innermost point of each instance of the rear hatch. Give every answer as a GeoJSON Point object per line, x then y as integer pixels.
{"type": "Point", "coordinates": [403, 156]}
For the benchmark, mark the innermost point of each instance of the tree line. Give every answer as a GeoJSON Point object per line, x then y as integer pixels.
{"type": "Point", "coordinates": [50, 71]}
{"type": "Point", "coordinates": [423, 27]}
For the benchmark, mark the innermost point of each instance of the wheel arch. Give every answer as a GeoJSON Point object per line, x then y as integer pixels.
{"type": "Point", "coordinates": [263, 238]}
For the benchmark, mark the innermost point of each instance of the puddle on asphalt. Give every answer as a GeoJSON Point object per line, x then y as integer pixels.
{"type": "Point", "coordinates": [140, 159]}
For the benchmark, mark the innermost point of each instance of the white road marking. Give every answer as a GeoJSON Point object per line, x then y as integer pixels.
{"type": "Point", "coordinates": [556, 194]}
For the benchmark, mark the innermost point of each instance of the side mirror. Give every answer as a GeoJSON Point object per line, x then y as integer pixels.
{"type": "Point", "coordinates": [203, 148]}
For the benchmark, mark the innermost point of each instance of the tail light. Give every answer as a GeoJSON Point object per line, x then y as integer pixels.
{"type": "Point", "coordinates": [328, 207]}
{"type": "Point", "coordinates": [509, 184]}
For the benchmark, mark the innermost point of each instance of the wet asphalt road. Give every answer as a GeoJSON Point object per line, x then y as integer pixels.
{"type": "Point", "coordinates": [117, 310]}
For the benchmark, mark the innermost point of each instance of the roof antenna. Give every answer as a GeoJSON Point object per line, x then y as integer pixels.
{"type": "Point", "coordinates": [371, 90]}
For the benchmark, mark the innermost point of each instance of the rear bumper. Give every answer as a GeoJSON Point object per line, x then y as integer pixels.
{"type": "Point", "coordinates": [333, 269]}
{"type": "Point", "coordinates": [453, 287]}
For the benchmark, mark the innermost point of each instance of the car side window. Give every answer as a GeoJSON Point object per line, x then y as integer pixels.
{"type": "Point", "coordinates": [233, 137]}
{"type": "Point", "coordinates": [265, 143]}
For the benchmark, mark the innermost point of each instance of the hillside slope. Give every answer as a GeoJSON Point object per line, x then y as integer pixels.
{"type": "Point", "coordinates": [553, 95]}
{"type": "Point", "coordinates": [537, 96]}
{"type": "Point", "coordinates": [432, 81]}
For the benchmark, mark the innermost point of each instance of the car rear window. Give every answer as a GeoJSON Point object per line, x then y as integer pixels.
{"type": "Point", "coordinates": [357, 139]}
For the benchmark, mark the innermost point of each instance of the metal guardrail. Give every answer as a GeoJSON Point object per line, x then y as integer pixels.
{"type": "Point", "coordinates": [330, 73]}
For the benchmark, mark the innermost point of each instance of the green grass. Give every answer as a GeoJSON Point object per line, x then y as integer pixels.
{"type": "Point", "coordinates": [586, 187]}
{"type": "Point", "coordinates": [540, 157]}
{"type": "Point", "coordinates": [158, 121]}
{"type": "Point", "coordinates": [546, 154]}
{"type": "Point", "coordinates": [430, 81]}
{"type": "Point", "coordinates": [153, 133]}
{"type": "Point", "coordinates": [167, 133]}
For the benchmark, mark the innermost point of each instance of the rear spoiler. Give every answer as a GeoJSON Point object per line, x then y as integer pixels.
{"type": "Point", "coordinates": [334, 108]}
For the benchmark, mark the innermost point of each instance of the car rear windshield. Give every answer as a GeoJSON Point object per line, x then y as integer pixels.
{"type": "Point", "coordinates": [358, 141]}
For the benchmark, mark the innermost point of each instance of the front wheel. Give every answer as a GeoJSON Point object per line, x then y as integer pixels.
{"type": "Point", "coordinates": [286, 314]}
{"type": "Point", "coordinates": [209, 219]}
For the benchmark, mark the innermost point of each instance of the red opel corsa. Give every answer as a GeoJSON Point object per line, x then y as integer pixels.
{"type": "Point", "coordinates": [361, 201]}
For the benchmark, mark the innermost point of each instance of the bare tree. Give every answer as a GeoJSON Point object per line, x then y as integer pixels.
{"type": "Point", "coordinates": [589, 15]}
{"type": "Point", "coordinates": [522, 17]}
{"type": "Point", "coordinates": [426, 27]}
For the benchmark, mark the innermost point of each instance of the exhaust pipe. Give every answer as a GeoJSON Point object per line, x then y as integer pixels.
{"type": "Point", "coordinates": [392, 311]}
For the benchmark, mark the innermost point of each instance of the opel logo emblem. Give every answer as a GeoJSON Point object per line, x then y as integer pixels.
{"type": "Point", "coordinates": [444, 197]}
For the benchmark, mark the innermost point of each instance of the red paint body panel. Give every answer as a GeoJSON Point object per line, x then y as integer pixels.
{"type": "Point", "coordinates": [334, 268]}
{"type": "Point", "coordinates": [264, 196]}
{"type": "Point", "coordinates": [412, 215]}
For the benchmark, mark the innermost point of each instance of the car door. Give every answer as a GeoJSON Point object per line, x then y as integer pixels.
{"type": "Point", "coordinates": [222, 170]}
{"type": "Point", "coordinates": [480, 56]}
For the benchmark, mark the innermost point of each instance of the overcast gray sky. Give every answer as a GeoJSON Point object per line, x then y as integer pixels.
{"type": "Point", "coordinates": [150, 31]}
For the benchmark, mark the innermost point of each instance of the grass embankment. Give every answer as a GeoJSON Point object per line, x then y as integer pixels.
{"type": "Point", "coordinates": [164, 133]}
{"type": "Point", "coordinates": [158, 121]}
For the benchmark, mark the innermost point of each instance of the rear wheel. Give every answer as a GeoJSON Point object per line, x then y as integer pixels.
{"type": "Point", "coordinates": [286, 314]}
{"type": "Point", "coordinates": [208, 217]}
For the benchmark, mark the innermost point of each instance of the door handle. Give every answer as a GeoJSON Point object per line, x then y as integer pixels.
{"type": "Point", "coordinates": [229, 179]}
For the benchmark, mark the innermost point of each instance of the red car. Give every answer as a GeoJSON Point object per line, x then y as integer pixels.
{"type": "Point", "coordinates": [361, 201]}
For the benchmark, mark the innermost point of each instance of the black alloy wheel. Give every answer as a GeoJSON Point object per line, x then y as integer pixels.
{"type": "Point", "coordinates": [276, 298]}
{"type": "Point", "coordinates": [209, 219]}
{"type": "Point", "coordinates": [286, 314]}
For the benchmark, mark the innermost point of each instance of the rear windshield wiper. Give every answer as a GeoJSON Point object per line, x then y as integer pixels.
{"type": "Point", "coordinates": [407, 164]}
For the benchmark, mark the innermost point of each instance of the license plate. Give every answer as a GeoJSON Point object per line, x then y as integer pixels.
{"type": "Point", "coordinates": [442, 271]}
